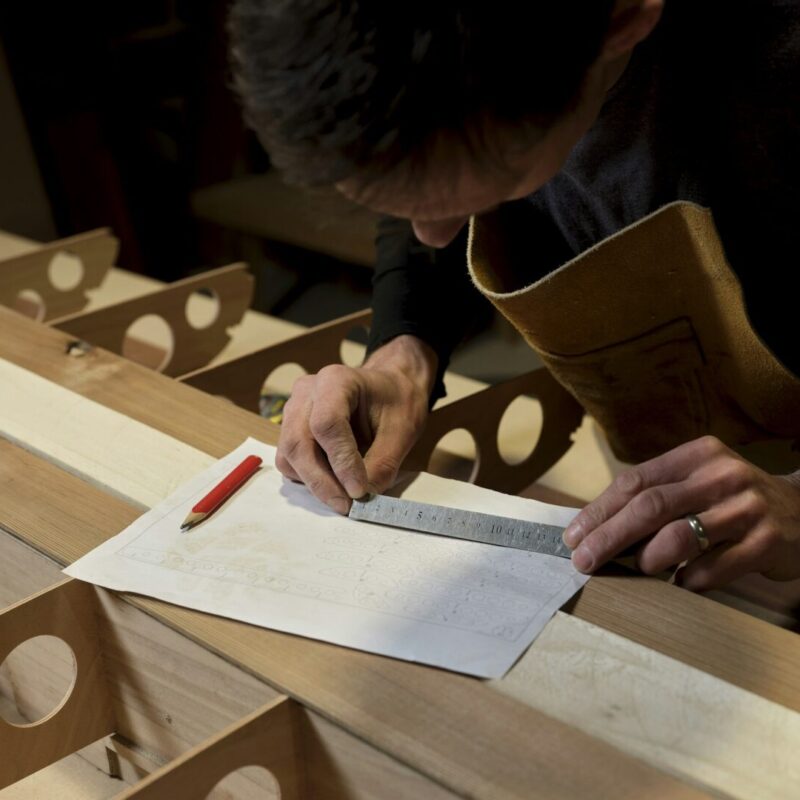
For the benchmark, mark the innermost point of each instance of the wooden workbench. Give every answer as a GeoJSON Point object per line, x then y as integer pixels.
{"type": "Point", "coordinates": [640, 690]}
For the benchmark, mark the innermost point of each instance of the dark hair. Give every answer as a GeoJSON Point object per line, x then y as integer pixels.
{"type": "Point", "coordinates": [335, 89]}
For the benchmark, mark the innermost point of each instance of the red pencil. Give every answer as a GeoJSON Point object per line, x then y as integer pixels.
{"type": "Point", "coordinates": [221, 492]}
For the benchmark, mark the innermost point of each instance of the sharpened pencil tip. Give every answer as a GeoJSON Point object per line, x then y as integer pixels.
{"type": "Point", "coordinates": [186, 526]}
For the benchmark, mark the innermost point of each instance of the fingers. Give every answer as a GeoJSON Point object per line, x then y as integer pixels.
{"type": "Point", "coordinates": [333, 402]}
{"type": "Point", "coordinates": [651, 500]}
{"type": "Point", "coordinates": [676, 542]}
{"type": "Point", "coordinates": [301, 458]}
{"type": "Point", "coordinates": [319, 444]}
{"type": "Point", "coordinates": [384, 458]}
{"type": "Point", "coordinates": [286, 468]}
{"type": "Point", "coordinates": [672, 467]}
{"type": "Point", "coordinates": [722, 565]}
{"type": "Point", "coordinates": [650, 511]}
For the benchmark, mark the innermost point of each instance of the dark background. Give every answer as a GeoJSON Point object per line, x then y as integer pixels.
{"type": "Point", "coordinates": [121, 114]}
{"type": "Point", "coordinates": [128, 110]}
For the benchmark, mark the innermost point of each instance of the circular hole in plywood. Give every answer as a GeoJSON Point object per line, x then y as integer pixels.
{"type": "Point", "coordinates": [519, 429]}
{"type": "Point", "coordinates": [65, 271]}
{"type": "Point", "coordinates": [455, 456]}
{"type": "Point", "coordinates": [149, 341]}
{"type": "Point", "coordinates": [282, 378]}
{"type": "Point", "coordinates": [246, 783]}
{"type": "Point", "coordinates": [30, 304]}
{"type": "Point", "coordinates": [202, 308]}
{"type": "Point", "coordinates": [276, 390]}
{"type": "Point", "coordinates": [351, 350]}
{"type": "Point", "coordinates": [36, 679]}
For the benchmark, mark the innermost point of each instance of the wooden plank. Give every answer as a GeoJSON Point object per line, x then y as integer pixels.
{"type": "Point", "coordinates": [705, 611]}
{"type": "Point", "coordinates": [679, 624]}
{"type": "Point", "coordinates": [480, 414]}
{"type": "Point", "coordinates": [733, 741]}
{"type": "Point", "coordinates": [586, 469]}
{"type": "Point", "coordinates": [742, 650]}
{"type": "Point", "coordinates": [104, 379]}
{"type": "Point", "coordinates": [208, 423]}
{"type": "Point", "coordinates": [191, 347]}
{"type": "Point", "coordinates": [70, 417]}
{"type": "Point", "coordinates": [268, 737]}
{"type": "Point", "coordinates": [29, 271]}
{"type": "Point", "coordinates": [241, 379]}
{"type": "Point", "coordinates": [169, 693]}
{"type": "Point", "coordinates": [456, 730]}
{"type": "Point", "coordinates": [72, 778]}
{"type": "Point", "coordinates": [67, 612]}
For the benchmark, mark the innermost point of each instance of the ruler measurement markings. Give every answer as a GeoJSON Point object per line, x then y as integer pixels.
{"type": "Point", "coordinates": [455, 523]}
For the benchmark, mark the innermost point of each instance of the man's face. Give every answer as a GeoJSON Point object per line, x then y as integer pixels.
{"type": "Point", "coordinates": [455, 184]}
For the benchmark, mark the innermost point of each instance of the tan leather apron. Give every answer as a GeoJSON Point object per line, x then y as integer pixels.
{"type": "Point", "coordinates": [648, 330]}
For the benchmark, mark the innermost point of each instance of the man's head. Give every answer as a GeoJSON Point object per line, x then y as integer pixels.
{"type": "Point", "coordinates": [431, 110]}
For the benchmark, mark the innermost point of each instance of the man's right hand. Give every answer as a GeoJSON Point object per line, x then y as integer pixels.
{"type": "Point", "coordinates": [378, 409]}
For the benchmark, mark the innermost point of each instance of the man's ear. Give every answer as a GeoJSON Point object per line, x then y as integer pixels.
{"type": "Point", "coordinates": [631, 22]}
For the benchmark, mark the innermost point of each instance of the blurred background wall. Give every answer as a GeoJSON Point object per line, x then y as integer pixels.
{"type": "Point", "coordinates": [120, 114]}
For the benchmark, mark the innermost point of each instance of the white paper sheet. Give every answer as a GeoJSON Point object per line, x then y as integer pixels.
{"type": "Point", "coordinates": [275, 556]}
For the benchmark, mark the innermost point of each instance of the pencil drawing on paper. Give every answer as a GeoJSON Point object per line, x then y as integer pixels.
{"type": "Point", "coordinates": [273, 555]}
{"type": "Point", "coordinates": [381, 571]}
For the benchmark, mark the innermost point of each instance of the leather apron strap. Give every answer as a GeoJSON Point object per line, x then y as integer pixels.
{"type": "Point", "coordinates": [648, 330]}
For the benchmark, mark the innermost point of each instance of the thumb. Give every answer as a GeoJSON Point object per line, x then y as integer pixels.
{"type": "Point", "coordinates": [385, 456]}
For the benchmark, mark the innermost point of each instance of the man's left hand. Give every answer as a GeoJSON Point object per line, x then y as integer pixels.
{"type": "Point", "coordinates": [751, 518]}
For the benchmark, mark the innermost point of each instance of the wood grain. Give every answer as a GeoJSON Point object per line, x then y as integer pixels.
{"type": "Point", "coordinates": [96, 251]}
{"type": "Point", "coordinates": [269, 737]}
{"type": "Point", "coordinates": [191, 347]}
{"type": "Point", "coordinates": [208, 423]}
{"type": "Point", "coordinates": [67, 612]}
{"type": "Point", "coordinates": [659, 709]}
{"type": "Point", "coordinates": [241, 380]}
{"type": "Point", "coordinates": [704, 634]}
{"type": "Point", "coordinates": [170, 693]}
{"type": "Point", "coordinates": [456, 730]}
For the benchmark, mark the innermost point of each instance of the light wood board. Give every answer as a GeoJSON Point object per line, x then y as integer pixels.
{"type": "Point", "coordinates": [46, 430]}
{"type": "Point", "coordinates": [586, 469]}
{"type": "Point", "coordinates": [169, 693]}
{"type": "Point", "coordinates": [190, 345]}
{"type": "Point", "coordinates": [454, 729]}
{"type": "Point", "coordinates": [663, 617]}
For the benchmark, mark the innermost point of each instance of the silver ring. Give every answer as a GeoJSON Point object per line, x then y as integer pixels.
{"type": "Point", "coordinates": [699, 531]}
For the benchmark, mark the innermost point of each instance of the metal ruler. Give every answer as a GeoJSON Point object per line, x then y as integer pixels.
{"type": "Point", "coordinates": [453, 522]}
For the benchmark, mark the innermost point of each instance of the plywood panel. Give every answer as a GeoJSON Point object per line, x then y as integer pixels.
{"type": "Point", "coordinates": [65, 611]}
{"type": "Point", "coordinates": [454, 729]}
{"type": "Point", "coordinates": [30, 271]}
{"type": "Point", "coordinates": [170, 694]}
{"type": "Point", "coordinates": [191, 347]}
{"type": "Point", "coordinates": [718, 640]}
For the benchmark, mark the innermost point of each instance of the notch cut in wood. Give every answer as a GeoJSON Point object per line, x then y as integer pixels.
{"type": "Point", "coordinates": [269, 737]}
{"type": "Point", "coordinates": [67, 611]}
{"type": "Point", "coordinates": [26, 282]}
{"type": "Point", "coordinates": [242, 379]}
{"type": "Point", "coordinates": [192, 347]}
{"type": "Point", "coordinates": [481, 414]}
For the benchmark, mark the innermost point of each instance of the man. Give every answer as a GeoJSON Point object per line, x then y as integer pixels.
{"type": "Point", "coordinates": [575, 120]}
